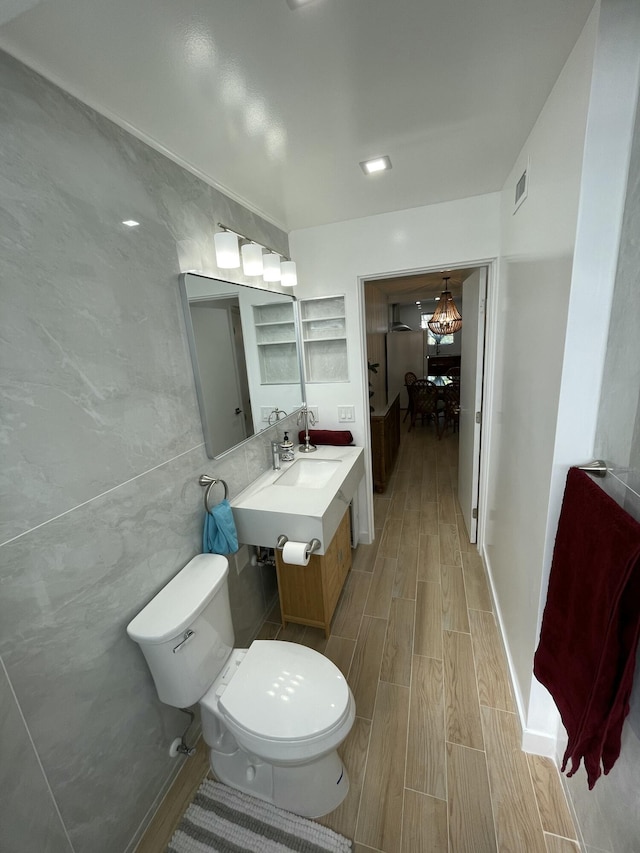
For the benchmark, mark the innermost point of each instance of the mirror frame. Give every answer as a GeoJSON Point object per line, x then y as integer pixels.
{"type": "Point", "coordinates": [186, 310]}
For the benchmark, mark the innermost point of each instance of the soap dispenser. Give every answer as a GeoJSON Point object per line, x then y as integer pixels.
{"type": "Point", "coordinates": [286, 449]}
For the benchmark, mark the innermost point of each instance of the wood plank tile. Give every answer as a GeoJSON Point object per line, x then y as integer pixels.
{"type": "Point", "coordinates": [292, 633]}
{"type": "Point", "coordinates": [396, 656]}
{"type": "Point", "coordinates": [555, 844]}
{"type": "Point", "coordinates": [429, 515]}
{"type": "Point", "coordinates": [449, 545]}
{"type": "Point", "coordinates": [364, 557]}
{"type": "Point", "coordinates": [463, 724]}
{"type": "Point", "coordinates": [494, 684]}
{"type": "Point", "coordinates": [426, 763]}
{"type": "Point", "coordinates": [552, 803]}
{"type": "Point", "coordinates": [429, 558]}
{"type": "Point", "coordinates": [424, 824]}
{"type": "Point", "coordinates": [406, 577]}
{"type": "Point", "coordinates": [380, 818]}
{"type": "Point", "coordinates": [517, 821]}
{"type": "Point", "coordinates": [380, 510]}
{"type": "Point", "coordinates": [365, 666]}
{"type": "Point", "coordinates": [478, 596]}
{"type": "Point", "coordinates": [346, 620]}
{"type": "Point", "coordinates": [354, 755]}
{"type": "Point", "coordinates": [427, 639]}
{"type": "Point", "coordinates": [447, 506]}
{"type": "Point", "coordinates": [390, 541]}
{"type": "Point", "coordinates": [340, 651]}
{"type": "Point", "coordinates": [470, 816]}
{"type": "Point", "coordinates": [397, 504]}
{"type": "Point", "coordinates": [315, 639]}
{"type": "Point", "coordinates": [454, 601]}
{"type": "Point", "coordinates": [268, 631]}
{"type": "Point", "coordinates": [379, 598]}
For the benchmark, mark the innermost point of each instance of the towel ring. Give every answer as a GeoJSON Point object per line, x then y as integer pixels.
{"type": "Point", "coordinates": [209, 482]}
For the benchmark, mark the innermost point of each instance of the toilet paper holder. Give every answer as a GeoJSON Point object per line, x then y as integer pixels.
{"type": "Point", "coordinates": [312, 546]}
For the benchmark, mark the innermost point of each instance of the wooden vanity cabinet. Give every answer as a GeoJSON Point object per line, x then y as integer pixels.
{"type": "Point", "coordinates": [385, 442]}
{"type": "Point", "coordinates": [309, 594]}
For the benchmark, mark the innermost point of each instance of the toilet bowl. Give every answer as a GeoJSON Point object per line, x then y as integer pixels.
{"type": "Point", "coordinates": [272, 715]}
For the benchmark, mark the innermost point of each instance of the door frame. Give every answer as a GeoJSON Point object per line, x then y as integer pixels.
{"type": "Point", "coordinates": [492, 266]}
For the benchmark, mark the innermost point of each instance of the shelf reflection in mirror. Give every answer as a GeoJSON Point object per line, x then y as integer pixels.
{"type": "Point", "coordinates": [245, 353]}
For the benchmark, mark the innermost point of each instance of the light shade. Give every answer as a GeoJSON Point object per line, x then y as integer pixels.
{"type": "Point", "coordinates": [446, 318]}
{"type": "Point", "coordinates": [227, 253]}
{"type": "Point", "coordinates": [252, 259]}
{"type": "Point", "coordinates": [289, 273]}
{"type": "Point", "coordinates": [271, 267]}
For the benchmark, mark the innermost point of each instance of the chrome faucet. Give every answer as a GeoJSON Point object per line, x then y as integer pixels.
{"type": "Point", "coordinates": [275, 455]}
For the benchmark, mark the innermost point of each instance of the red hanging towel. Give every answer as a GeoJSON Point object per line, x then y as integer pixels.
{"type": "Point", "coordinates": [328, 436]}
{"type": "Point", "coordinates": [591, 623]}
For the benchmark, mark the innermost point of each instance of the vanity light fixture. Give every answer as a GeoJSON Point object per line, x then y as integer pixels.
{"type": "Point", "coordinates": [289, 273]}
{"type": "Point", "coordinates": [272, 270]}
{"type": "Point", "coordinates": [252, 259]}
{"type": "Point", "coordinates": [227, 252]}
{"type": "Point", "coordinates": [272, 266]}
{"type": "Point", "coordinates": [376, 164]}
{"type": "Point", "coordinates": [130, 223]}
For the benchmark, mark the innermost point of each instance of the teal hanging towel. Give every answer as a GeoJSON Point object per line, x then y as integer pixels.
{"type": "Point", "coordinates": [219, 535]}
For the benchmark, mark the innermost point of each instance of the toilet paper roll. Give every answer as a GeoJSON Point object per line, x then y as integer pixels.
{"type": "Point", "coordinates": [296, 553]}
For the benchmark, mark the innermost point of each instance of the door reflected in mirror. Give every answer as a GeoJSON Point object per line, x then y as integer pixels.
{"type": "Point", "coordinates": [245, 353]}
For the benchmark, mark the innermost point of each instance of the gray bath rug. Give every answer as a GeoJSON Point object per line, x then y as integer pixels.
{"type": "Point", "coordinates": [224, 820]}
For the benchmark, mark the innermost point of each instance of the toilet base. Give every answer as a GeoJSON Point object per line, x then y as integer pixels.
{"type": "Point", "coordinates": [310, 790]}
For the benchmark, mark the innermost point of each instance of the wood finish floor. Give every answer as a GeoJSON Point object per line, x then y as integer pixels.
{"type": "Point", "coordinates": [434, 755]}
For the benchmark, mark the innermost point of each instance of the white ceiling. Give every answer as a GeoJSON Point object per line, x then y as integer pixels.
{"type": "Point", "coordinates": [277, 107]}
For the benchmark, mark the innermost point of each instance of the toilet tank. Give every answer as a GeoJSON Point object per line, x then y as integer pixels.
{"type": "Point", "coordinates": [185, 632]}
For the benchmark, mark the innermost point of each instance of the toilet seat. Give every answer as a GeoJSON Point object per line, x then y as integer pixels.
{"type": "Point", "coordinates": [285, 692]}
{"type": "Point", "coordinates": [310, 723]}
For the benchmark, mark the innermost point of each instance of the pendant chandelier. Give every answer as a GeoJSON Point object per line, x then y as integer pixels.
{"type": "Point", "coordinates": [446, 318]}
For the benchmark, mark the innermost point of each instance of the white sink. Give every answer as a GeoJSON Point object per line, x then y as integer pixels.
{"type": "Point", "coordinates": [304, 500]}
{"type": "Point", "coordinates": [308, 473]}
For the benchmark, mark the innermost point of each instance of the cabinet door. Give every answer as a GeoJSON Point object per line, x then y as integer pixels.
{"type": "Point", "coordinates": [337, 564]}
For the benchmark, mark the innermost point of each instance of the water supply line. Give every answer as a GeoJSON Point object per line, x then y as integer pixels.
{"type": "Point", "coordinates": [180, 745]}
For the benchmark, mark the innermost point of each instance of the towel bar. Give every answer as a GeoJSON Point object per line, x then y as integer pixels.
{"type": "Point", "coordinates": [598, 468]}
{"type": "Point", "coordinates": [209, 482]}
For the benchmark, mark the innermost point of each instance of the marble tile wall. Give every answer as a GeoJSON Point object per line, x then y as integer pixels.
{"type": "Point", "coordinates": [102, 448]}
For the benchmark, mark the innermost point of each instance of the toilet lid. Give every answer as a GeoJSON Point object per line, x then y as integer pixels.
{"type": "Point", "coordinates": [285, 691]}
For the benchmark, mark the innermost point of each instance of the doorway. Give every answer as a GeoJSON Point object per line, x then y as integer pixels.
{"type": "Point", "coordinates": [395, 308]}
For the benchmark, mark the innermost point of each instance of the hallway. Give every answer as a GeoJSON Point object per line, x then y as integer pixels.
{"type": "Point", "coordinates": [434, 756]}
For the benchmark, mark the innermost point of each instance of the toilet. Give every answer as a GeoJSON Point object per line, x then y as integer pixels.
{"type": "Point", "coordinates": [273, 715]}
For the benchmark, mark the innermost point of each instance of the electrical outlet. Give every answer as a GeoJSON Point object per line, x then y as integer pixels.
{"type": "Point", "coordinates": [346, 414]}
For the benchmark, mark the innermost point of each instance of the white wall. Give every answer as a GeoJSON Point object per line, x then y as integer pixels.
{"type": "Point", "coordinates": [529, 317]}
{"type": "Point", "coordinates": [333, 258]}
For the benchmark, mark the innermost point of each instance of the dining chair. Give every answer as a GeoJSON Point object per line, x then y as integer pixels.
{"type": "Point", "coordinates": [451, 407]}
{"type": "Point", "coordinates": [409, 379]}
{"type": "Point", "coordinates": [423, 401]}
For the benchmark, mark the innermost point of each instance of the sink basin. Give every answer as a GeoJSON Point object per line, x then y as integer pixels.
{"type": "Point", "coordinates": [309, 473]}
{"type": "Point", "coordinates": [305, 500]}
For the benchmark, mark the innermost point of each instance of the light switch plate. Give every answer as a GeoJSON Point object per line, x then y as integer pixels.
{"type": "Point", "coordinates": [346, 414]}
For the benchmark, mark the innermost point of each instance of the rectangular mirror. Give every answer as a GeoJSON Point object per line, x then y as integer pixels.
{"type": "Point", "coordinates": [245, 353]}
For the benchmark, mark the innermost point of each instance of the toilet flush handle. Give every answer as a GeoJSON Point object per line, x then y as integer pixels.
{"type": "Point", "coordinates": [185, 638]}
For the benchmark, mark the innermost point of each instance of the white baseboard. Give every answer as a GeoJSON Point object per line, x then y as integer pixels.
{"type": "Point", "coordinates": [539, 743]}
{"type": "Point", "coordinates": [535, 742]}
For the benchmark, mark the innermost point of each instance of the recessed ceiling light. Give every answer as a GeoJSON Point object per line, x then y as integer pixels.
{"type": "Point", "coordinates": [130, 223]}
{"type": "Point", "coordinates": [377, 164]}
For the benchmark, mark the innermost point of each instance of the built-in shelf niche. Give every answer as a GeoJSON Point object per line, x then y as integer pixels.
{"type": "Point", "coordinates": [324, 336]}
{"type": "Point", "coordinates": [276, 341]}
